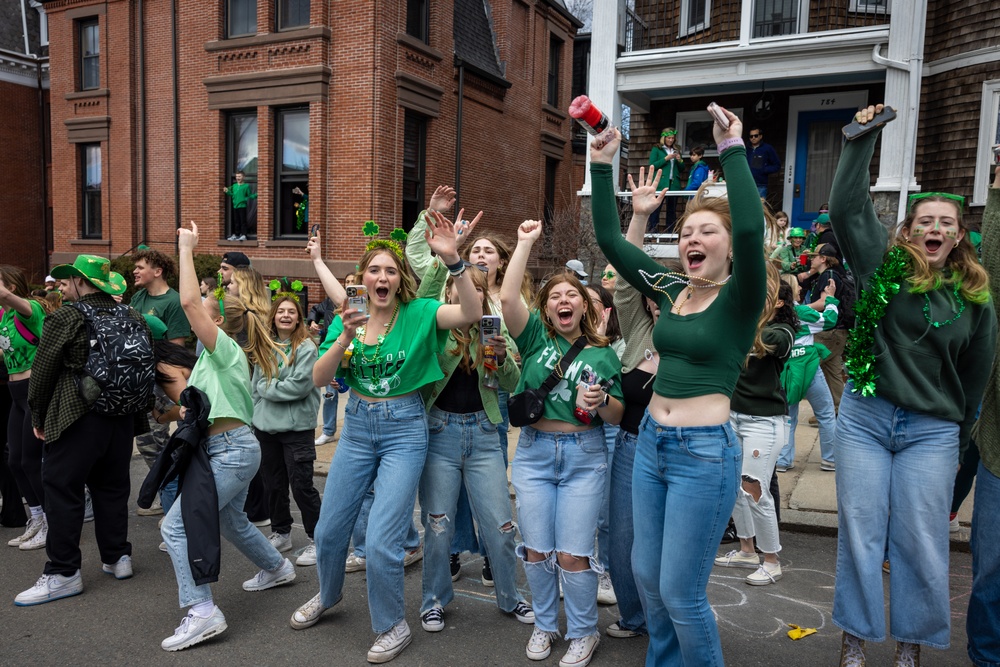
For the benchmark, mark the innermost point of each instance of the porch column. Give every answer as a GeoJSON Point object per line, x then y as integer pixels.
{"type": "Point", "coordinates": [603, 51]}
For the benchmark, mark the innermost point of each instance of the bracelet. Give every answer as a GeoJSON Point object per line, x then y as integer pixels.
{"type": "Point", "coordinates": [456, 274]}
{"type": "Point", "coordinates": [729, 143]}
{"type": "Point", "coordinates": [456, 269]}
{"type": "Point", "coordinates": [337, 342]}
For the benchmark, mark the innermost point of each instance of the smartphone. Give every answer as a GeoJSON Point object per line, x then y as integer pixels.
{"type": "Point", "coordinates": [996, 153]}
{"type": "Point", "coordinates": [588, 378]}
{"type": "Point", "coordinates": [489, 327]}
{"type": "Point", "coordinates": [314, 231]}
{"type": "Point", "coordinates": [720, 117]}
{"type": "Point", "coordinates": [854, 129]}
{"type": "Point", "coordinates": [357, 298]}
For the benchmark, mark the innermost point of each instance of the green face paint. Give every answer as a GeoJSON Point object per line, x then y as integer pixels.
{"type": "Point", "coordinates": [951, 233]}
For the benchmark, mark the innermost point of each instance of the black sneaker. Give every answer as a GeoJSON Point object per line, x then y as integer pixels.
{"type": "Point", "coordinates": [456, 568]}
{"type": "Point", "coordinates": [730, 536]}
{"type": "Point", "coordinates": [487, 573]}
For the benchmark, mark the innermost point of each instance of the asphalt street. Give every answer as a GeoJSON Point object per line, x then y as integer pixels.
{"type": "Point", "coordinates": [122, 622]}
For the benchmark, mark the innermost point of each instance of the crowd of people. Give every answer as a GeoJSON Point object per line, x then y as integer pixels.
{"type": "Point", "coordinates": [668, 392]}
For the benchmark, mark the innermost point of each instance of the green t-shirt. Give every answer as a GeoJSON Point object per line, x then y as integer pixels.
{"type": "Point", "coordinates": [224, 376]}
{"type": "Point", "coordinates": [539, 356]}
{"type": "Point", "coordinates": [407, 359]}
{"type": "Point", "coordinates": [17, 352]}
{"type": "Point", "coordinates": [240, 193]}
{"type": "Point", "coordinates": [167, 307]}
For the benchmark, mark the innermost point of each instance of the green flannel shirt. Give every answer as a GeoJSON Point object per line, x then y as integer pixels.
{"type": "Point", "coordinates": [53, 397]}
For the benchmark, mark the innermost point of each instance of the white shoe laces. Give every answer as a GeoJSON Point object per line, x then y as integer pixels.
{"type": "Point", "coordinates": [852, 652]}
{"type": "Point", "coordinates": [577, 647]}
{"type": "Point", "coordinates": [389, 637]}
{"type": "Point", "coordinates": [604, 582]}
{"type": "Point", "coordinates": [539, 639]}
{"type": "Point", "coordinates": [907, 655]}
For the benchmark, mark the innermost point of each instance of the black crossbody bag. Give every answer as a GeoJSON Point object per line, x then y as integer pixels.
{"type": "Point", "coordinates": [526, 408]}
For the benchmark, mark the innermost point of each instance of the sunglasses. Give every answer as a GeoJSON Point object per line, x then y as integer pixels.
{"type": "Point", "coordinates": [469, 264]}
{"type": "Point", "coordinates": [917, 196]}
{"type": "Point", "coordinates": [608, 274]}
{"type": "Point", "coordinates": [754, 136]}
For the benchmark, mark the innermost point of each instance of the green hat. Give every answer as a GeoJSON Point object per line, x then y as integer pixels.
{"type": "Point", "coordinates": [796, 233]}
{"type": "Point", "coordinates": [95, 270]}
{"type": "Point", "coordinates": [156, 326]}
{"type": "Point", "coordinates": [117, 281]}
{"type": "Point", "coordinates": [822, 219]}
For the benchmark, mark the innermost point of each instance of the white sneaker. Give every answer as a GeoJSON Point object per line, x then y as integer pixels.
{"type": "Point", "coordinates": [737, 558]}
{"type": "Point", "coordinates": [580, 651]}
{"type": "Point", "coordinates": [163, 547]}
{"type": "Point", "coordinates": [764, 575]}
{"type": "Point", "coordinates": [390, 643]}
{"type": "Point", "coordinates": [242, 237]}
{"type": "Point", "coordinates": [954, 526]}
{"type": "Point", "coordinates": [354, 563]}
{"type": "Point", "coordinates": [122, 568]}
{"type": "Point", "coordinates": [263, 523]}
{"type": "Point", "coordinates": [412, 556]}
{"type": "Point", "coordinates": [50, 587]}
{"type": "Point", "coordinates": [34, 525]}
{"type": "Point", "coordinates": [308, 555]}
{"type": "Point", "coordinates": [154, 510]}
{"type": "Point", "coordinates": [281, 542]}
{"type": "Point", "coordinates": [307, 615]}
{"type": "Point", "coordinates": [38, 540]}
{"type": "Point", "coordinates": [232, 237]}
{"type": "Point", "coordinates": [270, 578]}
{"type": "Point", "coordinates": [324, 438]}
{"type": "Point", "coordinates": [539, 645]}
{"type": "Point", "coordinates": [194, 630]}
{"type": "Point", "coordinates": [432, 620]}
{"type": "Point", "coordinates": [605, 591]}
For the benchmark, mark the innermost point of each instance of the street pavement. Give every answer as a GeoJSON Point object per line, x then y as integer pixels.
{"type": "Point", "coordinates": [122, 622]}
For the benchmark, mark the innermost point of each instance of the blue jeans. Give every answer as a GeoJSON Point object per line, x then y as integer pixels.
{"type": "Point", "coordinates": [684, 485]}
{"type": "Point", "coordinates": [504, 427]}
{"type": "Point", "coordinates": [819, 397]}
{"type": "Point", "coordinates": [603, 548]}
{"type": "Point", "coordinates": [983, 623]}
{"type": "Point", "coordinates": [621, 534]}
{"type": "Point", "coordinates": [330, 412]}
{"type": "Point", "coordinates": [559, 480]}
{"type": "Point", "coordinates": [761, 438]}
{"type": "Point", "coordinates": [762, 191]}
{"type": "Point", "coordinates": [235, 457]}
{"type": "Point", "coordinates": [382, 443]}
{"type": "Point", "coordinates": [463, 452]}
{"type": "Point", "coordinates": [899, 463]}
{"type": "Point", "coordinates": [361, 528]}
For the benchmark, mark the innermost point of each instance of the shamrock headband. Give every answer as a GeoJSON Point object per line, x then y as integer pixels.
{"type": "Point", "coordinates": [275, 286]}
{"type": "Point", "coordinates": [392, 244]}
{"type": "Point", "coordinates": [220, 294]}
{"type": "Point", "coordinates": [668, 133]}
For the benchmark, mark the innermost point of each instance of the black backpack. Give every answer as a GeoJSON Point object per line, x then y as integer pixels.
{"type": "Point", "coordinates": [847, 297]}
{"type": "Point", "coordinates": [119, 374]}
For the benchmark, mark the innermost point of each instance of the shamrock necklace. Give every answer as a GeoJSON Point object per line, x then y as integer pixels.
{"type": "Point", "coordinates": [376, 359]}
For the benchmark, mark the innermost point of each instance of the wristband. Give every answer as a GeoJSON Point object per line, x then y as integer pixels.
{"type": "Point", "coordinates": [729, 143]}
{"type": "Point", "coordinates": [336, 341]}
{"type": "Point", "coordinates": [456, 269]}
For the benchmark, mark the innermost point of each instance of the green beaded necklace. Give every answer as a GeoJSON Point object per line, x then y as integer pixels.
{"type": "Point", "coordinates": [359, 339]}
{"type": "Point", "coordinates": [961, 309]}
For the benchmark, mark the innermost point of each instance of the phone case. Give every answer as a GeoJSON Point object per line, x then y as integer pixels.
{"type": "Point", "coordinates": [854, 129]}
{"type": "Point", "coordinates": [720, 118]}
{"type": "Point", "coordinates": [489, 327]}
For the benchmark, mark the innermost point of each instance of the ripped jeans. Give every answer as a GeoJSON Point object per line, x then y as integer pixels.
{"type": "Point", "coordinates": [464, 448]}
{"type": "Point", "coordinates": [762, 439]}
{"type": "Point", "coordinates": [559, 480]}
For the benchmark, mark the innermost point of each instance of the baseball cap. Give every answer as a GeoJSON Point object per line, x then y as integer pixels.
{"type": "Point", "coordinates": [822, 219]}
{"type": "Point", "coordinates": [235, 259]}
{"type": "Point", "coordinates": [825, 249]}
{"type": "Point", "coordinates": [576, 266]}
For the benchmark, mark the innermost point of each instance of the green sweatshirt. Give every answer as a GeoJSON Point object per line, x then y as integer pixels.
{"type": "Point", "coordinates": [290, 401]}
{"type": "Point", "coordinates": [240, 194]}
{"type": "Point", "coordinates": [759, 391]}
{"type": "Point", "coordinates": [701, 353]}
{"type": "Point", "coordinates": [789, 258]}
{"type": "Point", "coordinates": [941, 371]}
{"type": "Point", "coordinates": [987, 431]}
{"type": "Point", "coordinates": [673, 170]}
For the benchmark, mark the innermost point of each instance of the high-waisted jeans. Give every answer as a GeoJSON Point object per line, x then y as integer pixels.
{"type": "Point", "coordinates": [684, 485]}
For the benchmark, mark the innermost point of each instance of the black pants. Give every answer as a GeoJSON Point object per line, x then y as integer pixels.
{"type": "Point", "coordinates": [95, 450]}
{"type": "Point", "coordinates": [240, 221]}
{"type": "Point", "coordinates": [25, 449]}
{"type": "Point", "coordinates": [965, 476]}
{"type": "Point", "coordinates": [287, 458]}
{"type": "Point", "coordinates": [12, 515]}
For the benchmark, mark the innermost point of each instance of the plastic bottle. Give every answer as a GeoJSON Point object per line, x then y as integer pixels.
{"type": "Point", "coordinates": [490, 366]}
{"type": "Point", "coordinates": [588, 115]}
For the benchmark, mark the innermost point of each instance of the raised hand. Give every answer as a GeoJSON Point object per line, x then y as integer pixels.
{"type": "Point", "coordinates": [529, 230]}
{"type": "Point", "coordinates": [645, 198]}
{"type": "Point", "coordinates": [313, 247]}
{"type": "Point", "coordinates": [604, 146]}
{"type": "Point", "coordinates": [442, 199]}
{"type": "Point", "coordinates": [865, 115]}
{"type": "Point", "coordinates": [442, 237]}
{"type": "Point", "coordinates": [464, 227]}
{"type": "Point", "coordinates": [735, 130]}
{"type": "Point", "coordinates": [187, 239]}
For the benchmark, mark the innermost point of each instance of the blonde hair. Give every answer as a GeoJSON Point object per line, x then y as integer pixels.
{"type": "Point", "coordinates": [504, 252]}
{"type": "Point", "coordinates": [247, 327]}
{"type": "Point", "coordinates": [464, 338]}
{"type": "Point", "coordinates": [250, 284]}
{"type": "Point", "coordinates": [407, 285]}
{"type": "Point", "coordinates": [961, 268]}
{"type": "Point", "coordinates": [589, 323]}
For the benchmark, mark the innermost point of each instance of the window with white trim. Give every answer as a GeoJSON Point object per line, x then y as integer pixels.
{"type": "Point", "coordinates": [989, 136]}
{"type": "Point", "coordinates": [871, 6]}
{"type": "Point", "coordinates": [694, 16]}
{"type": "Point", "coordinates": [694, 128]}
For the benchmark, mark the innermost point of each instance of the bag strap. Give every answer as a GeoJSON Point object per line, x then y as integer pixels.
{"type": "Point", "coordinates": [22, 329]}
{"type": "Point", "coordinates": [553, 379]}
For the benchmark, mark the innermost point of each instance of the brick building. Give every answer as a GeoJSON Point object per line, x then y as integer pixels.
{"type": "Point", "coordinates": [364, 107]}
{"type": "Point", "coordinates": [25, 199]}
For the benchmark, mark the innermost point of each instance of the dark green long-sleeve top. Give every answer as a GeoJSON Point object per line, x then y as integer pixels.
{"type": "Point", "coordinates": [701, 353]}
{"type": "Point", "coordinates": [987, 431]}
{"type": "Point", "coordinates": [940, 371]}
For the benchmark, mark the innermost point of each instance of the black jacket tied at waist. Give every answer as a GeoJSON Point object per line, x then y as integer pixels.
{"type": "Point", "coordinates": [186, 458]}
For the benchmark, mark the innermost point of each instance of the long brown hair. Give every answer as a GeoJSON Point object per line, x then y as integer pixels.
{"type": "Point", "coordinates": [504, 252]}
{"type": "Point", "coordinates": [246, 327]}
{"type": "Point", "coordinates": [465, 338]}
{"type": "Point", "coordinates": [301, 332]}
{"type": "Point", "coordinates": [14, 279]}
{"type": "Point", "coordinates": [759, 349]}
{"type": "Point", "coordinates": [407, 285]}
{"type": "Point", "coordinates": [588, 325]}
{"type": "Point", "coordinates": [961, 268]}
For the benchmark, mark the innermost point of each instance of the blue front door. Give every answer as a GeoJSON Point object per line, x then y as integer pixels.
{"type": "Point", "coordinates": [818, 145]}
